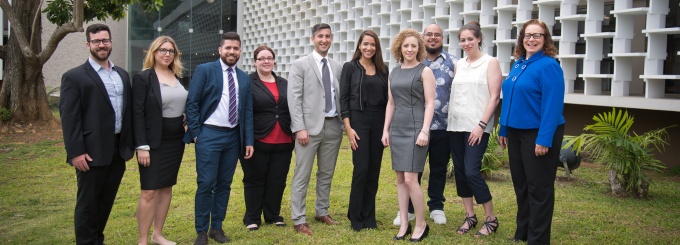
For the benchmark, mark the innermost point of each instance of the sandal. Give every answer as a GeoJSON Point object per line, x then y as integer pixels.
{"type": "Point", "coordinates": [490, 225]}
{"type": "Point", "coordinates": [470, 221]}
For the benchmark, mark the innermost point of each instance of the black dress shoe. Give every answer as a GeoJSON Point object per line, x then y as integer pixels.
{"type": "Point", "coordinates": [218, 235]}
{"type": "Point", "coordinates": [201, 239]}
{"type": "Point", "coordinates": [408, 231]}
{"type": "Point", "coordinates": [425, 233]}
{"type": "Point", "coordinates": [280, 224]}
{"type": "Point", "coordinates": [253, 228]}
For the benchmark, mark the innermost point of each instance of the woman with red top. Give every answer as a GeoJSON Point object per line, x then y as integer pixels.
{"type": "Point", "coordinates": [265, 174]}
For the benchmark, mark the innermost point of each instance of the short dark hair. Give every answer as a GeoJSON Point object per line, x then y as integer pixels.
{"type": "Point", "coordinates": [96, 28]}
{"type": "Point", "coordinates": [230, 36]}
{"type": "Point", "coordinates": [316, 28]}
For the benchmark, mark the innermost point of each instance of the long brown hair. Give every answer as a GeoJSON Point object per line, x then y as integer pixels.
{"type": "Point", "coordinates": [377, 58]}
{"type": "Point", "coordinates": [548, 45]}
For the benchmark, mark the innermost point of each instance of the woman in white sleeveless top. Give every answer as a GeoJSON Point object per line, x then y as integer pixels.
{"type": "Point", "coordinates": [475, 93]}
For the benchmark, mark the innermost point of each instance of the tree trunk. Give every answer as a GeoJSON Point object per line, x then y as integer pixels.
{"type": "Point", "coordinates": [615, 183]}
{"type": "Point", "coordinates": [23, 88]}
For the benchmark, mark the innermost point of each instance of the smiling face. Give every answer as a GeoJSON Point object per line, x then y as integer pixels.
{"type": "Point", "coordinates": [409, 49]}
{"type": "Point", "coordinates": [230, 52]}
{"type": "Point", "coordinates": [322, 40]}
{"type": "Point", "coordinates": [433, 39]}
{"type": "Point", "coordinates": [468, 42]}
{"type": "Point", "coordinates": [102, 51]}
{"type": "Point", "coordinates": [264, 62]}
{"type": "Point", "coordinates": [162, 58]}
{"type": "Point", "coordinates": [367, 47]}
{"type": "Point", "coordinates": [533, 45]}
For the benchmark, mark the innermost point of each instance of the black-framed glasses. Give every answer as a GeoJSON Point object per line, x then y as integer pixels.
{"type": "Point", "coordinates": [166, 51]}
{"type": "Point", "coordinates": [430, 34]}
{"type": "Point", "coordinates": [265, 59]}
{"type": "Point", "coordinates": [97, 42]}
{"type": "Point", "coordinates": [534, 35]}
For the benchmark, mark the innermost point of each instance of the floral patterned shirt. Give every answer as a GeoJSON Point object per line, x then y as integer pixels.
{"type": "Point", "coordinates": [442, 67]}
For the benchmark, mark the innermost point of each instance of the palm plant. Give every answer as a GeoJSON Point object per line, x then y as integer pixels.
{"type": "Point", "coordinates": [624, 154]}
{"type": "Point", "coordinates": [494, 156]}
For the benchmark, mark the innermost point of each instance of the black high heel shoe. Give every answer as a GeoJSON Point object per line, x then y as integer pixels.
{"type": "Point", "coordinates": [423, 236]}
{"type": "Point", "coordinates": [490, 225]}
{"type": "Point", "coordinates": [408, 231]}
{"type": "Point", "coordinates": [471, 222]}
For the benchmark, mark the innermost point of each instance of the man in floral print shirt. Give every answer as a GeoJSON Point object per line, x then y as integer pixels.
{"type": "Point", "coordinates": [442, 64]}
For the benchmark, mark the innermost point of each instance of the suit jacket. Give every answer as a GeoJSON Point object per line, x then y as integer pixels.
{"type": "Point", "coordinates": [266, 110]}
{"type": "Point", "coordinates": [88, 119]}
{"type": "Point", "coordinates": [205, 92]}
{"type": "Point", "coordinates": [306, 97]}
{"type": "Point", "coordinates": [147, 113]}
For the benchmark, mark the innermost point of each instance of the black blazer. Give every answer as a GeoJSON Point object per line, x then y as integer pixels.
{"type": "Point", "coordinates": [147, 113]}
{"type": "Point", "coordinates": [88, 119]}
{"type": "Point", "coordinates": [266, 111]}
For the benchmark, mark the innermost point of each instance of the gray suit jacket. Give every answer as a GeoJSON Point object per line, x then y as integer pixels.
{"type": "Point", "coordinates": [306, 94]}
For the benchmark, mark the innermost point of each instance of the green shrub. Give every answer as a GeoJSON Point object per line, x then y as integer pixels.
{"type": "Point", "coordinates": [5, 114]}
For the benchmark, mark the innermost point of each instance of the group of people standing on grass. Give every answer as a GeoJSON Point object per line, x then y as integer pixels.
{"type": "Point", "coordinates": [431, 104]}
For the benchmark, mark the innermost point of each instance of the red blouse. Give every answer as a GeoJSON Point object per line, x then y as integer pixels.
{"type": "Point", "coordinates": [276, 136]}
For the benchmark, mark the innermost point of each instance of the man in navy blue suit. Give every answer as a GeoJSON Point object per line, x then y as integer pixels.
{"type": "Point", "coordinates": [220, 120]}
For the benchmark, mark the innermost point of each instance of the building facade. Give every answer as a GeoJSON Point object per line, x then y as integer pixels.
{"type": "Point", "coordinates": [614, 53]}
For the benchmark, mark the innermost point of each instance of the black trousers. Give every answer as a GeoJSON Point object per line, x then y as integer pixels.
{"type": "Point", "coordinates": [366, 160]}
{"type": "Point", "coordinates": [264, 180]}
{"type": "Point", "coordinates": [534, 181]}
{"type": "Point", "coordinates": [97, 189]}
{"type": "Point", "coordinates": [439, 153]}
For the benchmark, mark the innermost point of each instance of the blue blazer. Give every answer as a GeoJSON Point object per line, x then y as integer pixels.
{"type": "Point", "coordinates": [205, 92]}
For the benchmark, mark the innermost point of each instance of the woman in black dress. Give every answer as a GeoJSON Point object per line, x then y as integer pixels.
{"type": "Point", "coordinates": [265, 174]}
{"type": "Point", "coordinates": [363, 97]}
{"type": "Point", "coordinates": [158, 107]}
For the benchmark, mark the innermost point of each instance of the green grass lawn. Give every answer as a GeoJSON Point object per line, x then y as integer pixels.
{"type": "Point", "coordinates": [37, 197]}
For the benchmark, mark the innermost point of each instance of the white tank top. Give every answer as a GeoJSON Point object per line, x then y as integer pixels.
{"type": "Point", "coordinates": [469, 95]}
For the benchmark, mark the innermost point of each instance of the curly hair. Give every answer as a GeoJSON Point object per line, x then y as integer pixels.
{"type": "Point", "coordinates": [150, 59]}
{"type": "Point", "coordinates": [399, 40]}
{"type": "Point", "coordinates": [548, 44]}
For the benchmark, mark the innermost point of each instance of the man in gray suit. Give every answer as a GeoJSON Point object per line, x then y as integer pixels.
{"type": "Point", "coordinates": [314, 109]}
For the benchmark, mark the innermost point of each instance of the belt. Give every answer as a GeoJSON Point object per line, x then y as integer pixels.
{"type": "Point", "coordinates": [330, 118]}
{"type": "Point", "coordinates": [220, 128]}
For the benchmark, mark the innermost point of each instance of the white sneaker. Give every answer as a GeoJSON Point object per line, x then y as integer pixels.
{"type": "Point", "coordinates": [438, 217]}
{"type": "Point", "coordinates": [397, 220]}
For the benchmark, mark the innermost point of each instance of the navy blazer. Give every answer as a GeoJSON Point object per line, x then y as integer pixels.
{"type": "Point", "coordinates": [88, 119]}
{"type": "Point", "coordinates": [205, 92]}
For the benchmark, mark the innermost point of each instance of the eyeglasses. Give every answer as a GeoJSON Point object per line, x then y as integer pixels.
{"type": "Point", "coordinates": [97, 42]}
{"type": "Point", "coordinates": [430, 34]}
{"type": "Point", "coordinates": [166, 51]}
{"type": "Point", "coordinates": [534, 35]}
{"type": "Point", "coordinates": [265, 59]}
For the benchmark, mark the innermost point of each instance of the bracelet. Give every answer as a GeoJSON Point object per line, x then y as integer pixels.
{"type": "Point", "coordinates": [426, 133]}
{"type": "Point", "coordinates": [482, 122]}
{"type": "Point", "coordinates": [483, 126]}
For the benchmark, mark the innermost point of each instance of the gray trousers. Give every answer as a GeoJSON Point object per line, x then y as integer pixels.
{"type": "Point", "coordinates": [325, 147]}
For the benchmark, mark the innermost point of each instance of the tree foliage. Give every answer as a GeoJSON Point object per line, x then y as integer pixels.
{"type": "Point", "coordinates": [60, 12]}
{"type": "Point", "coordinates": [610, 142]}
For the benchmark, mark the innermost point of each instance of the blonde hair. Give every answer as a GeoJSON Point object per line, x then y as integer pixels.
{"type": "Point", "coordinates": [396, 45]}
{"type": "Point", "coordinates": [150, 59]}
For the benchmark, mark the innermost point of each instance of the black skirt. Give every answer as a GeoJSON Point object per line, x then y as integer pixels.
{"type": "Point", "coordinates": [166, 159]}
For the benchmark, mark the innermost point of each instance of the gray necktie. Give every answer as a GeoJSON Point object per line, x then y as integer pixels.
{"type": "Point", "coordinates": [326, 77]}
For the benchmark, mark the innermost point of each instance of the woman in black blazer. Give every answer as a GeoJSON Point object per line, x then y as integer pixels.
{"type": "Point", "coordinates": [363, 98]}
{"type": "Point", "coordinates": [265, 174]}
{"type": "Point", "coordinates": [158, 101]}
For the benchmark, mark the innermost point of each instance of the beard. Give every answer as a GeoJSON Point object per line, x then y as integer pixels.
{"type": "Point", "coordinates": [97, 56]}
{"type": "Point", "coordinates": [228, 63]}
{"type": "Point", "coordinates": [434, 50]}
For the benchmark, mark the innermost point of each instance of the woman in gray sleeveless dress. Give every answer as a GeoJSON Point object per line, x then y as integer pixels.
{"type": "Point", "coordinates": [408, 116]}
